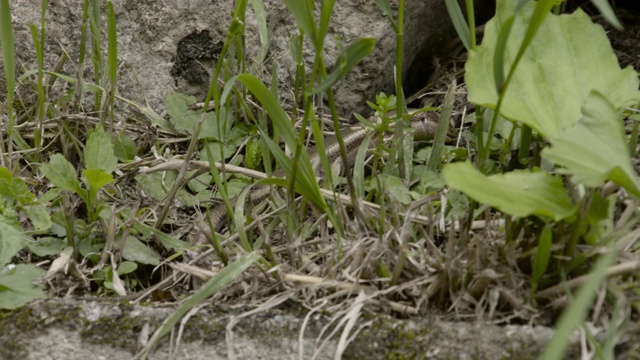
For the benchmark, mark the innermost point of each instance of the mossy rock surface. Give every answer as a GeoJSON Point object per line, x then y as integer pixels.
{"type": "Point", "coordinates": [83, 329]}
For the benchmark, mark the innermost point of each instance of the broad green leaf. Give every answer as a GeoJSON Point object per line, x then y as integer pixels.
{"type": "Point", "coordinates": [396, 189]}
{"type": "Point", "coordinates": [124, 148]}
{"type": "Point", "coordinates": [47, 246]}
{"type": "Point", "coordinates": [38, 215]}
{"type": "Point", "coordinates": [595, 149]}
{"type": "Point", "coordinates": [184, 119]}
{"type": "Point", "coordinates": [61, 173]}
{"type": "Point", "coordinates": [127, 267]}
{"type": "Point", "coordinates": [136, 250]}
{"type": "Point", "coordinates": [14, 188]}
{"type": "Point", "coordinates": [458, 205]}
{"type": "Point", "coordinates": [157, 185]}
{"type": "Point", "coordinates": [217, 282]}
{"type": "Point", "coordinates": [96, 179]}
{"type": "Point", "coordinates": [348, 59]}
{"type": "Point", "coordinates": [568, 58]}
{"type": "Point", "coordinates": [98, 153]}
{"type": "Point", "coordinates": [12, 240]}
{"type": "Point", "coordinates": [16, 286]}
{"type": "Point", "coordinates": [520, 193]}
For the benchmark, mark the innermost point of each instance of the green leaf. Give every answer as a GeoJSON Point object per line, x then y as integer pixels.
{"type": "Point", "coordinates": [136, 250]}
{"type": "Point", "coordinates": [396, 189]}
{"type": "Point", "coordinates": [98, 153]}
{"type": "Point", "coordinates": [168, 241]}
{"type": "Point", "coordinates": [124, 148]}
{"type": "Point", "coordinates": [112, 44]}
{"type": "Point", "coordinates": [441, 131]}
{"type": "Point", "coordinates": [16, 286]}
{"type": "Point", "coordinates": [326, 11]}
{"type": "Point", "coordinates": [12, 240]}
{"type": "Point", "coordinates": [47, 246]}
{"type": "Point", "coordinates": [153, 117]}
{"type": "Point", "coordinates": [217, 282]}
{"type": "Point", "coordinates": [306, 183]}
{"type": "Point", "coordinates": [38, 215]}
{"type": "Point", "coordinates": [607, 12]}
{"type": "Point", "coordinates": [458, 20]}
{"type": "Point", "coordinates": [519, 193]}
{"type": "Point", "coordinates": [61, 173]}
{"type": "Point", "coordinates": [127, 267]}
{"type": "Point", "coordinates": [568, 58]}
{"type": "Point", "coordinates": [97, 178]}
{"type": "Point", "coordinates": [303, 14]}
{"type": "Point", "coordinates": [14, 188]}
{"type": "Point", "coordinates": [8, 53]}
{"type": "Point", "coordinates": [185, 120]}
{"type": "Point", "coordinates": [458, 205]}
{"type": "Point", "coordinates": [595, 149]}
{"type": "Point", "coordinates": [600, 217]}
{"type": "Point", "coordinates": [348, 59]}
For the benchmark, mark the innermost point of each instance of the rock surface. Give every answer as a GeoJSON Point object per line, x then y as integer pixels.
{"type": "Point", "coordinates": [101, 329]}
{"type": "Point", "coordinates": [149, 34]}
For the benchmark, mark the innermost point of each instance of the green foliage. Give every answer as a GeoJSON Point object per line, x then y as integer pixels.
{"type": "Point", "coordinates": [12, 240]}
{"type": "Point", "coordinates": [100, 160]}
{"type": "Point", "coordinates": [584, 123]}
{"type": "Point", "coordinates": [16, 285]}
{"type": "Point", "coordinates": [124, 148]}
{"type": "Point", "coordinates": [16, 197]}
{"type": "Point", "coordinates": [520, 193]}
{"type": "Point", "coordinates": [564, 86]}
{"type": "Point", "coordinates": [556, 74]}
{"type": "Point", "coordinates": [594, 149]}
{"type": "Point", "coordinates": [305, 179]}
{"type": "Point", "coordinates": [8, 58]}
{"type": "Point", "coordinates": [105, 276]}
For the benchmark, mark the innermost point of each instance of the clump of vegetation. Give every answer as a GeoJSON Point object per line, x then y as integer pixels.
{"type": "Point", "coordinates": [534, 200]}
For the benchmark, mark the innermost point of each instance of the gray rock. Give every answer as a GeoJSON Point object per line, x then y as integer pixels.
{"type": "Point", "coordinates": [150, 31]}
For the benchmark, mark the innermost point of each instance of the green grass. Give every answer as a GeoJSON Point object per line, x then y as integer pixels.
{"type": "Point", "coordinates": [511, 216]}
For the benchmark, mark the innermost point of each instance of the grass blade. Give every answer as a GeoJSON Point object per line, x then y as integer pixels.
{"type": "Point", "coordinates": [112, 56]}
{"type": "Point", "coordinates": [577, 309]}
{"type": "Point", "coordinates": [305, 182]}
{"type": "Point", "coordinates": [302, 12]}
{"type": "Point", "coordinates": [8, 56]}
{"type": "Point", "coordinates": [607, 12]}
{"type": "Point", "coordinates": [459, 23]}
{"type": "Point", "coordinates": [326, 11]}
{"type": "Point", "coordinates": [348, 59]}
{"type": "Point", "coordinates": [443, 127]}
{"type": "Point", "coordinates": [220, 280]}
